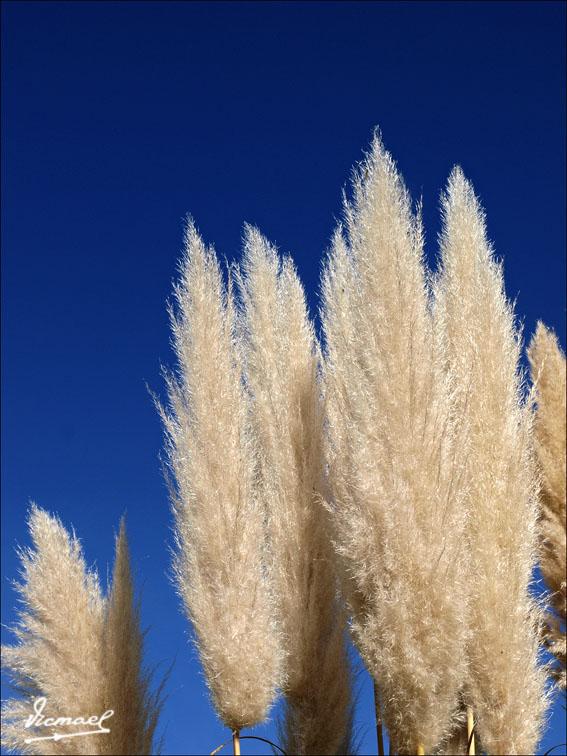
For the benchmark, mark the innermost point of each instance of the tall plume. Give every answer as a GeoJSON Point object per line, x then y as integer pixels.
{"type": "Point", "coordinates": [394, 461]}
{"type": "Point", "coordinates": [286, 412]}
{"type": "Point", "coordinates": [220, 569]}
{"type": "Point", "coordinates": [505, 685]}
{"type": "Point", "coordinates": [78, 650]}
{"type": "Point", "coordinates": [548, 374]}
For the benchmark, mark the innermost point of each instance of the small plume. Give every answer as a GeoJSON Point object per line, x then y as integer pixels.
{"type": "Point", "coordinates": [78, 650]}
{"type": "Point", "coordinates": [548, 374]}
{"type": "Point", "coordinates": [59, 651]}
{"type": "Point", "coordinates": [126, 685]}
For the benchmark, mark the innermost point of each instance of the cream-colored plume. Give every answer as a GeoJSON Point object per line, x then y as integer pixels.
{"type": "Point", "coordinates": [59, 654]}
{"type": "Point", "coordinates": [220, 566]}
{"type": "Point", "coordinates": [80, 652]}
{"type": "Point", "coordinates": [548, 374]}
{"type": "Point", "coordinates": [394, 461]}
{"type": "Point", "coordinates": [505, 684]}
{"type": "Point", "coordinates": [286, 414]}
{"type": "Point", "coordinates": [126, 684]}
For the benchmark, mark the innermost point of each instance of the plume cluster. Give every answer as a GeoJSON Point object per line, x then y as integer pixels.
{"type": "Point", "coordinates": [253, 561]}
{"type": "Point", "coordinates": [394, 460]}
{"type": "Point", "coordinates": [221, 570]}
{"type": "Point", "coordinates": [80, 651]}
{"type": "Point", "coordinates": [505, 685]}
{"type": "Point", "coordinates": [286, 416]}
{"type": "Point", "coordinates": [548, 374]}
{"type": "Point", "coordinates": [389, 483]}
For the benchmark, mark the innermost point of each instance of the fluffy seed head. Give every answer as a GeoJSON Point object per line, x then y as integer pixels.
{"type": "Point", "coordinates": [548, 374]}
{"type": "Point", "coordinates": [220, 564]}
{"type": "Point", "coordinates": [281, 358]}
{"type": "Point", "coordinates": [394, 459]}
{"type": "Point", "coordinates": [482, 344]}
{"type": "Point", "coordinates": [78, 650]}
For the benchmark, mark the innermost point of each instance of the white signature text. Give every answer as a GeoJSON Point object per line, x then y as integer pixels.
{"type": "Point", "coordinates": [38, 719]}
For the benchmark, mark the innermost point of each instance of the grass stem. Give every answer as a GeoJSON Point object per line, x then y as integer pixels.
{"type": "Point", "coordinates": [379, 725]}
{"type": "Point", "coordinates": [470, 734]}
{"type": "Point", "coordinates": [236, 742]}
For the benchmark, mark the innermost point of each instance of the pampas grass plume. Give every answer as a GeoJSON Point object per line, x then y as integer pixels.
{"type": "Point", "coordinates": [126, 684]}
{"type": "Point", "coordinates": [287, 416]}
{"type": "Point", "coordinates": [79, 650]}
{"type": "Point", "coordinates": [396, 502]}
{"type": "Point", "coordinates": [59, 651]}
{"type": "Point", "coordinates": [548, 374]}
{"type": "Point", "coordinates": [505, 684]}
{"type": "Point", "coordinates": [220, 564]}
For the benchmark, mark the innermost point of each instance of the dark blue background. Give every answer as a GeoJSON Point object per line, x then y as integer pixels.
{"type": "Point", "coordinates": [119, 118]}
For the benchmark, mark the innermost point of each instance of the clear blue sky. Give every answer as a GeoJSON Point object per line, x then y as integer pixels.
{"type": "Point", "coordinates": [119, 118]}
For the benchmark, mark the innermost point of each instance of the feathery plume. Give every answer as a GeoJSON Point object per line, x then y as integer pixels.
{"type": "Point", "coordinates": [394, 463]}
{"type": "Point", "coordinates": [126, 685]}
{"type": "Point", "coordinates": [220, 568]}
{"type": "Point", "coordinates": [505, 684]}
{"type": "Point", "coordinates": [286, 413]}
{"type": "Point", "coordinates": [548, 374]}
{"type": "Point", "coordinates": [59, 653]}
{"type": "Point", "coordinates": [80, 652]}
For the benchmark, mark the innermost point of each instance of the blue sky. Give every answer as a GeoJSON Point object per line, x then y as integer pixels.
{"type": "Point", "coordinates": [120, 118]}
